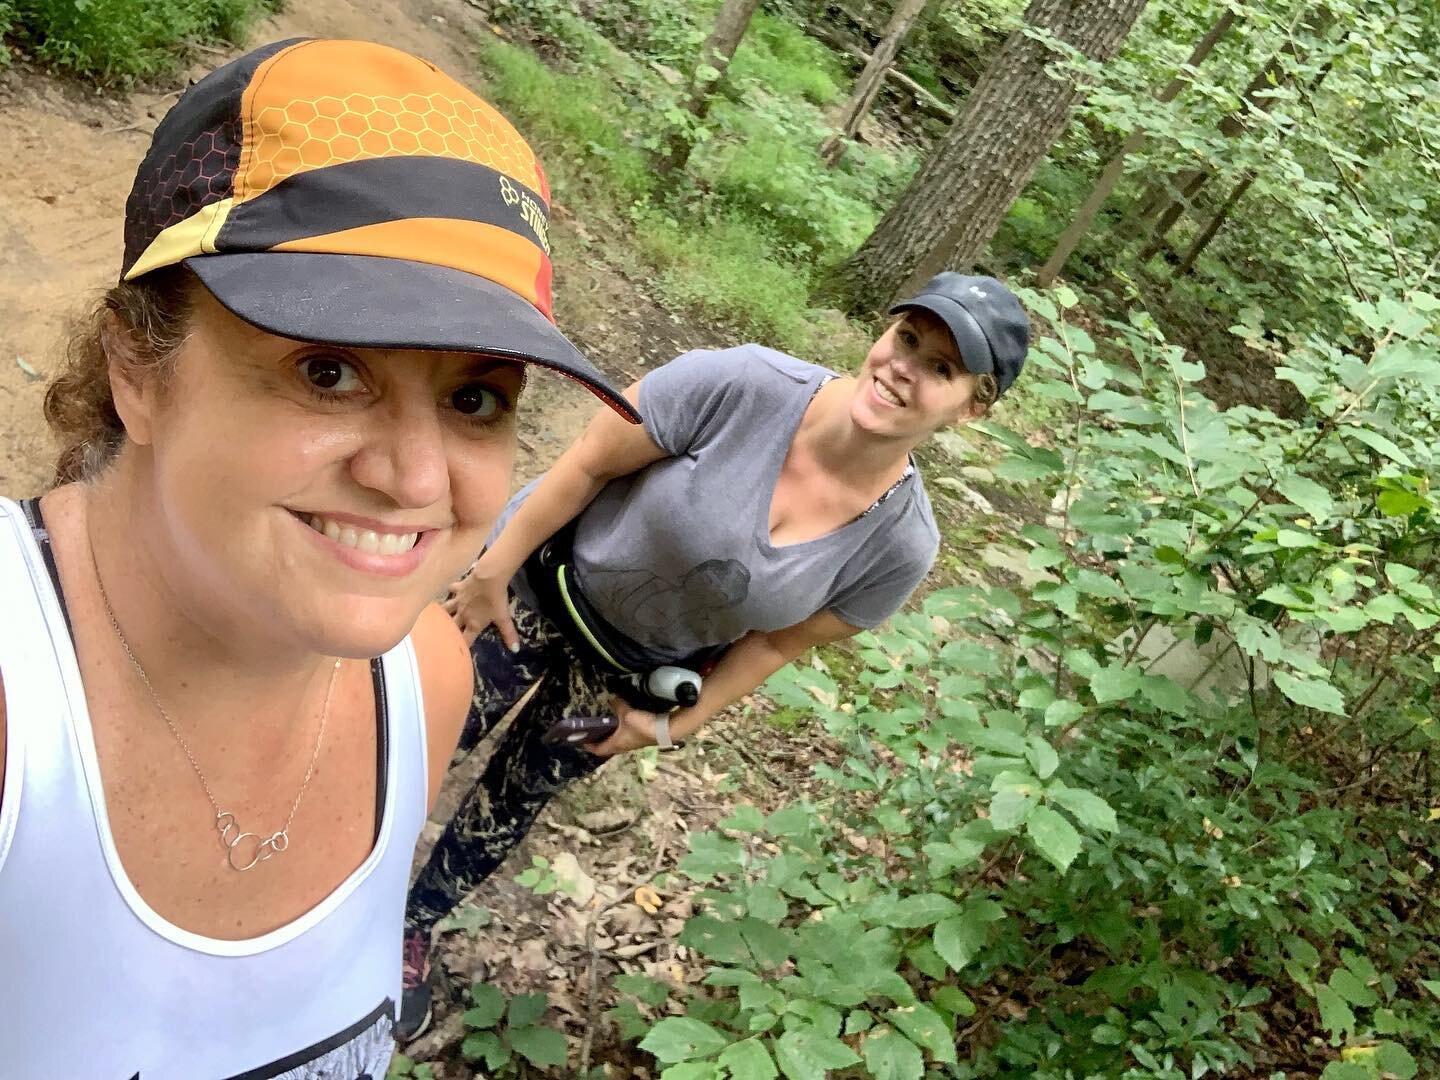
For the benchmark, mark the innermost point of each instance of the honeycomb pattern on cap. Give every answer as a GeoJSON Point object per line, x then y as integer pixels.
{"type": "Point", "coordinates": [311, 134]}
{"type": "Point", "coordinates": [196, 173]}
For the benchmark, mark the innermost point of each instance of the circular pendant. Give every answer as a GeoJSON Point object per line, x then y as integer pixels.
{"type": "Point", "coordinates": [237, 844]}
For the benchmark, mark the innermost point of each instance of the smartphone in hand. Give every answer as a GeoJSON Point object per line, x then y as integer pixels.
{"type": "Point", "coordinates": [578, 730]}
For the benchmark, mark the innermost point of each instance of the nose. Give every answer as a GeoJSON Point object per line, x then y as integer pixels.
{"type": "Point", "coordinates": [902, 365]}
{"type": "Point", "coordinates": [403, 455]}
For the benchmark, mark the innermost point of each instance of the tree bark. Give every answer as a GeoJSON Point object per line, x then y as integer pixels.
{"type": "Point", "coordinates": [1115, 167]}
{"type": "Point", "coordinates": [715, 56]}
{"type": "Point", "coordinates": [1014, 114]}
{"type": "Point", "coordinates": [870, 80]}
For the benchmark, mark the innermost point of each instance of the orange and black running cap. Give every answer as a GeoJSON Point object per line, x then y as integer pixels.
{"type": "Point", "coordinates": [349, 193]}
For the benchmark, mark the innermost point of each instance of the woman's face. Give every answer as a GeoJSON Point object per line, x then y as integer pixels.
{"type": "Point", "coordinates": [319, 494]}
{"type": "Point", "coordinates": [912, 382]}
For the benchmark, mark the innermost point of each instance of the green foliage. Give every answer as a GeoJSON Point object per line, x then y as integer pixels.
{"type": "Point", "coordinates": [402, 1068]}
{"type": "Point", "coordinates": [787, 62]}
{"type": "Point", "coordinates": [7, 21]}
{"type": "Point", "coordinates": [743, 244]}
{"type": "Point", "coordinates": [501, 1032]}
{"type": "Point", "coordinates": [1054, 853]}
{"type": "Point", "coordinates": [572, 114]}
{"type": "Point", "coordinates": [118, 41]}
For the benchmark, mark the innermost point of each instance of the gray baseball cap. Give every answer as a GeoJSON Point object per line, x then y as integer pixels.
{"type": "Point", "coordinates": [989, 326]}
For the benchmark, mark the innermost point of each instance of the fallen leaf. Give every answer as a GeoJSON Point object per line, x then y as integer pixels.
{"type": "Point", "coordinates": [578, 885]}
{"type": "Point", "coordinates": [648, 899]}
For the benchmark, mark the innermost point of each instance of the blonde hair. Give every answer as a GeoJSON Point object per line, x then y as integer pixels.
{"type": "Point", "coordinates": [154, 314]}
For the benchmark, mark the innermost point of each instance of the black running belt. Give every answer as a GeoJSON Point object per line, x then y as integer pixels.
{"type": "Point", "coordinates": [36, 519]}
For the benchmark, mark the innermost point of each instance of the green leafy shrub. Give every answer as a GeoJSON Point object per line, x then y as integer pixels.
{"type": "Point", "coordinates": [572, 115]}
{"type": "Point", "coordinates": [783, 58]}
{"type": "Point", "coordinates": [726, 269]}
{"type": "Point", "coordinates": [1053, 852]}
{"type": "Point", "coordinates": [7, 21]}
{"type": "Point", "coordinates": [501, 1031]}
{"type": "Point", "coordinates": [117, 41]}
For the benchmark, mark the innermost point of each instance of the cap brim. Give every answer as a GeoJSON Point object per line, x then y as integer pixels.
{"type": "Point", "coordinates": [970, 340]}
{"type": "Point", "coordinates": [368, 302]}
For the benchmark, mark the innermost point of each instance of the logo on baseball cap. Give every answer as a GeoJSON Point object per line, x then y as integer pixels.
{"type": "Point", "coordinates": [349, 193]}
{"type": "Point", "coordinates": [985, 319]}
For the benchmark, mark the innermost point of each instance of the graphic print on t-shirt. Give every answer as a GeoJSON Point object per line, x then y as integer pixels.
{"type": "Point", "coordinates": [360, 1052]}
{"type": "Point", "coordinates": [643, 602]}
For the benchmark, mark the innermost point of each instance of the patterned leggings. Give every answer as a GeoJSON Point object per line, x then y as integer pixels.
{"type": "Point", "coordinates": [522, 774]}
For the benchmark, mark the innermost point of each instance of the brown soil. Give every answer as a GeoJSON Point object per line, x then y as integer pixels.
{"type": "Point", "coordinates": [67, 158]}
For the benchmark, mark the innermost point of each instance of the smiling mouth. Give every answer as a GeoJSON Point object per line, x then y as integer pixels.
{"type": "Point", "coordinates": [886, 394]}
{"type": "Point", "coordinates": [363, 540]}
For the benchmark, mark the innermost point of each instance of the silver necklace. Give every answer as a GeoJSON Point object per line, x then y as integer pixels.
{"type": "Point", "coordinates": [233, 839]}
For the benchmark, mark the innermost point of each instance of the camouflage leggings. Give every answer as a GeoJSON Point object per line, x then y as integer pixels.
{"type": "Point", "coordinates": [522, 774]}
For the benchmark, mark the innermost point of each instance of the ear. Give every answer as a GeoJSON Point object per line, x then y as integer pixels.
{"type": "Point", "coordinates": [134, 397]}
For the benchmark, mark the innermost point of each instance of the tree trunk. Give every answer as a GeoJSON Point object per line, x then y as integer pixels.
{"type": "Point", "coordinates": [1014, 114]}
{"type": "Point", "coordinates": [1195, 179]}
{"type": "Point", "coordinates": [1187, 185]}
{"type": "Point", "coordinates": [1208, 233]}
{"type": "Point", "coordinates": [1169, 198]}
{"type": "Point", "coordinates": [925, 101]}
{"type": "Point", "coordinates": [1115, 167]}
{"type": "Point", "coordinates": [715, 56]}
{"type": "Point", "coordinates": [871, 79]}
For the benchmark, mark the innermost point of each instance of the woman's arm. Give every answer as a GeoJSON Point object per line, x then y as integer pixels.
{"type": "Point", "coordinates": [745, 665]}
{"type": "Point", "coordinates": [610, 447]}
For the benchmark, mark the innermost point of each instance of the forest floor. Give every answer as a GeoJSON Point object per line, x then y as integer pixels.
{"type": "Point", "coordinates": [67, 157]}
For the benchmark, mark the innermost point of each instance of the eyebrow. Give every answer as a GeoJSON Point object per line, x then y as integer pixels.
{"type": "Point", "coordinates": [483, 364]}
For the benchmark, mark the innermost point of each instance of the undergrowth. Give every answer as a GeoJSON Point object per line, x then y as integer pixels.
{"type": "Point", "coordinates": [741, 240]}
{"type": "Point", "coordinates": [123, 41]}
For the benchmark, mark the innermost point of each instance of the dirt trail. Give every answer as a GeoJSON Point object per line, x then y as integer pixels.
{"type": "Point", "coordinates": [67, 159]}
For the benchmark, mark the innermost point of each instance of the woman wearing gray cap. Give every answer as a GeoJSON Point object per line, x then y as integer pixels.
{"type": "Point", "coordinates": [227, 698]}
{"type": "Point", "coordinates": [765, 506]}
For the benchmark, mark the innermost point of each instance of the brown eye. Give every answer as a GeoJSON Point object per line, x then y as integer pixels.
{"type": "Point", "coordinates": [330, 373]}
{"type": "Point", "coordinates": [476, 401]}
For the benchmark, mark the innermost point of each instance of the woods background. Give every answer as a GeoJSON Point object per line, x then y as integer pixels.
{"type": "Point", "coordinates": [1144, 784]}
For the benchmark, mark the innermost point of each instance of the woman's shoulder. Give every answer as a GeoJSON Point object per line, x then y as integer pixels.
{"type": "Point", "coordinates": [754, 362]}
{"type": "Point", "coordinates": [915, 529]}
{"type": "Point", "coordinates": [447, 681]}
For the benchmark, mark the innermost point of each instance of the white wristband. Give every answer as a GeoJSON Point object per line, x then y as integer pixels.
{"type": "Point", "coordinates": [662, 732]}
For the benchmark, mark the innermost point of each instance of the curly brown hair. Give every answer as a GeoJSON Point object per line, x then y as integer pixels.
{"type": "Point", "coordinates": [154, 313]}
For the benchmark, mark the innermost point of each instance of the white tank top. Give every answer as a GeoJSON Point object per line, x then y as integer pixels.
{"type": "Point", "coordinates": [94, 983]}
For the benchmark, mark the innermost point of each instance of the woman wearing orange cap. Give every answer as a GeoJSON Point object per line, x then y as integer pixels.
{"type": "Point", "coordinates": [227, 699]}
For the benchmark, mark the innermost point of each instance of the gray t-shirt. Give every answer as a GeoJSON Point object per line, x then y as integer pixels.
{"type": "Point", "coordinates": [678, 556]}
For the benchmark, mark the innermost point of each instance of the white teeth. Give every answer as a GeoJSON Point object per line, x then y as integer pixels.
{"type": "Point", "coordinates": [366, 540]}
{"type": "Point", "coordinates": [885, 394]}
{"type": "Point", "coordinates": [396, 543]}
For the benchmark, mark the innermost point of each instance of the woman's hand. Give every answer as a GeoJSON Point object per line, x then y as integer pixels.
{"type": "Point", "coordinates": [637, 729]}
{"type": "Point", "coordinates": [483, 599]}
